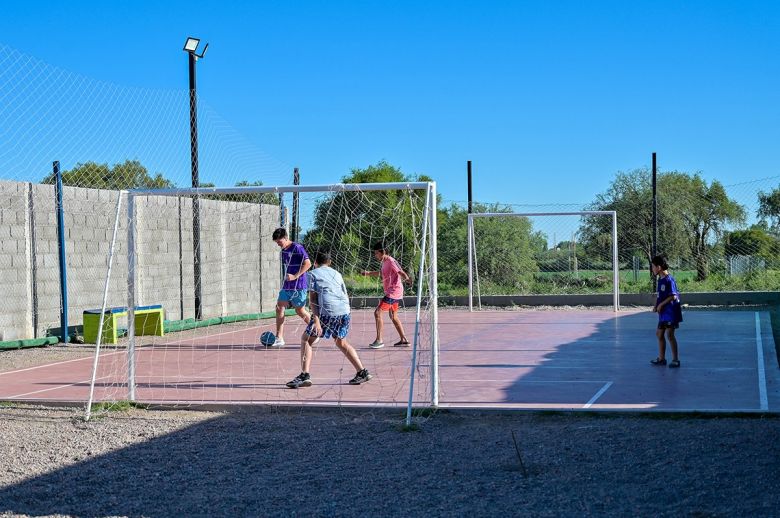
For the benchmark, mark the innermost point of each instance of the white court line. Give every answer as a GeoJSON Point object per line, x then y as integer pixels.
{"type": "Point", "coordinates": [90, 357]}
{"type": "Point", "coordinates": [52, 388]}
{"type": "Point", "coordinates": [761, 372]}
{"type": "Point", "coordinates": [185, 340]}
{"type": "Point", "coordinates": [598, 394]}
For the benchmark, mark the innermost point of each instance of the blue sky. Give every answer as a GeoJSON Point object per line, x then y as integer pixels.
{"type": "Point", "coordinates": [548, 99]}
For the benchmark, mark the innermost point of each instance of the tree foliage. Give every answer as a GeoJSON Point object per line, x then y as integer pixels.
{"type": "Point", "coordinates": [505, 248]}
{"type": "Point", "coordinates": [347, 224]}
{"type": "Point", "coordinates": [769, 209]}
{"type": "Point", "coordinates": [130, 174]}
{"type": "Point", "coordinates": [692, 216]}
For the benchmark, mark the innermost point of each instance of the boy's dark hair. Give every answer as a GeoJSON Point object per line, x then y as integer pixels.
{"type": "Point", "coordinates": [279, 233]}
{"type": "Point", "coordinates": [378, 247]}
{"type": "Point", "coordinates": [660, 260]}
{"type": "Point", "coordinates": [322, 258]}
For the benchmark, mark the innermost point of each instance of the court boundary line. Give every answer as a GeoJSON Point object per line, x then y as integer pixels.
{"type": "Point", "coordinates": [598, 394]}
{"type": "Point", "coordinates": [762, 393]}
{"type": "Point", "coordinates": [90, 357]}
{"type": "Point", "coordinates": [53, 388]}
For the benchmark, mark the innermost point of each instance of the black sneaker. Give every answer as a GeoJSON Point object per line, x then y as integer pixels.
{"type": "Point", "coordinates": [301, 380]}
{"type": "Point", "coordinates": [658, 361]}
{"type": "Point", "coordinates": [361, 377]}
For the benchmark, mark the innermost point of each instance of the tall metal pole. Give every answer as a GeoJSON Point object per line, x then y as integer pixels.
{"type": "Point", "coordinates": [655, 219]}
{"type": "Point", "coordinates": [130, 297]}
{"type": "Point", "coordinates": [61, 249]}
{"type": "Point", "coordinates": [468, 168]}
{"type": "Point", "coordinates": [655, 208]}
{"type": "Point", "coordinates": [295, 207]}
{"type": "Point", "coordinates": [196, 260]}
{"type": "Point", "coordinates": [470, 234]}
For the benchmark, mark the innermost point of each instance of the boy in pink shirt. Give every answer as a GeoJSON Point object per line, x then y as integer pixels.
{"type": "Point", "coordinates": [392, 277]}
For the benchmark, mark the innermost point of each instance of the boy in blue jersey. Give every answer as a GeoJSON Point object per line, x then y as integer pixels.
{"type": "Point", "coordinates": [669, 310]}
{"type": "Point", "coordinates": [296, 263]}
{"type": "Point", "coordinates": [330, 319]}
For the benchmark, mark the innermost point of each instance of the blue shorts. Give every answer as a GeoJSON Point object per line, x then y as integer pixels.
{"type": "Point", "coordinates": [332, 327]}
{"type": "Point", "coordinates": [296, 298]}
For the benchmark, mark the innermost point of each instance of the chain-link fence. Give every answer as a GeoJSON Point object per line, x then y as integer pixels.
{"type": "Point", "coordinates": [717, 236]}
{"type": "Point", "coordinates": [105, 138]}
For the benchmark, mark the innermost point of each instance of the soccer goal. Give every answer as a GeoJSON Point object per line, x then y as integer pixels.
{"type": "Point", "coordinates": [190, 291]}
{"type": "Point", "coordinates": [560, 254]}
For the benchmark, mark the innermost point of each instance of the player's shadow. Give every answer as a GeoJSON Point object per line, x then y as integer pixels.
{"type": "Point", "coordinates": [564, 360]}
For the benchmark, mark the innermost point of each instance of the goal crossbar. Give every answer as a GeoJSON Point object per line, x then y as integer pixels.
{"type": "Point", "coordinates": [337, 187]}
{"type": "Point", "coordinates": [472, 245]}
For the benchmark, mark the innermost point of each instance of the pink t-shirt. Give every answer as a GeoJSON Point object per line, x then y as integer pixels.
{"type": "Point", "coordinates": [391, 281]}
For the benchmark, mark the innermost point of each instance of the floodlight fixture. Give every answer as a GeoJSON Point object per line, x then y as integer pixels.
{"type": "Point", "coordinates": [191, 45]}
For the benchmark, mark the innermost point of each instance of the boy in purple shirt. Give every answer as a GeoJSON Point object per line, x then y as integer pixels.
{"type": "Point", "coordinates": [669, 310]}
{"type": "Point", "coordinates": [296, 263]}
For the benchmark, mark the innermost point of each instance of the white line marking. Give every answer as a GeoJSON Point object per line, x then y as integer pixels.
{"type": "Point", "coordinates": [90, 357]}
{"type": "Point", "coordinates": [761, 373]}
{"type": "Point", "coordinates": [598, 394]}
{"type": "Point", "coordinates": [162, 341]}
{"type": "Point", "coordinates": [53, 388]}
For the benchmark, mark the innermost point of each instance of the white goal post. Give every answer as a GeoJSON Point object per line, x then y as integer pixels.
{"type": "Point", "coordinates": [423, 220]}
{"type": "Point", "coordinates": [472, 258]}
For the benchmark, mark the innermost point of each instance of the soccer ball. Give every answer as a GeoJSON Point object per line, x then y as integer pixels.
{"type": "Point", "coordinates": [267, 338]}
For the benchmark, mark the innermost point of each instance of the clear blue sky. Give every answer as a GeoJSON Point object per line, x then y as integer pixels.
{"type": "Point", "coordinates": [548, 99]}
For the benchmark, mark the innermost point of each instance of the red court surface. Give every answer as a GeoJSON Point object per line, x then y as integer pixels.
{"type": "Point", "coordinates": [552, 360]}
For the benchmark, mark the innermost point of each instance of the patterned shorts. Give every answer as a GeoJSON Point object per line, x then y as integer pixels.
{"type": "Point", "coordinates": [332, 327]}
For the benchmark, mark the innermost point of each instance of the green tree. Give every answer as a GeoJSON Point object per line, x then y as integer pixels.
{"type": "Point", "coordinates": [769, 209]}
{"type": "Point", "coordinates": [130, 174]}
{"type": "Point", "coordinates": [754, 241]}
{"type": "Point", "coordinates": [692, 216]}
{"type": "Point", "coordinates": [347, 224]}
{"type": "Point", "coordinates": [505, 248]}
{"type": "Point", "coordinates": [705, 211]}
{"type": "Point", "coordinates": [631, 195]}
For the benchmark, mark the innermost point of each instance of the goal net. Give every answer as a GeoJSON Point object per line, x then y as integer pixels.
{"type": "Point", "coordinates": [571, 257]}
{"type": "Point", "coordinates": [192, 283]}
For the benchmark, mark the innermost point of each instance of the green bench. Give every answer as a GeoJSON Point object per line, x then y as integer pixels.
{"type": "Point", "coordinates": [148, 321]}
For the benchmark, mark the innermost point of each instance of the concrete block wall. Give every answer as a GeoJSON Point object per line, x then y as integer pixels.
{"type": "Point", "coordinates": [240, 270]}
{"type": "Point", "coordinates": [270, 258]}
{"type": "Point", "coordinates": [15, 262]}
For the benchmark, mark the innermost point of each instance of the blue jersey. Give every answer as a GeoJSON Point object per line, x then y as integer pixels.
{"type": "Point", "coordinates": [672, 311]}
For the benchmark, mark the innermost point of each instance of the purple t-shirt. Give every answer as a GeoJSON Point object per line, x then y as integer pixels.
{"type": "Point", "coordinates": [292, 258]}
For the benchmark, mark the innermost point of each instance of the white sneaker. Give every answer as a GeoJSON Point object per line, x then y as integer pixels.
{"type": "Point", "coordinates": [279, 342]}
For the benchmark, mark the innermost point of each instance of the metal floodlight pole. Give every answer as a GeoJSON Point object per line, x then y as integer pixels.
{"type": "Point", "coordinates": [295, 206]}
{"type": "Point", "coordinates": [190, 47]}
{"type": "Point", "coordinates": [468, 169]}
{"type": "Point", "coordinates": [470, 233]}
{"type": "Point", "coordinates": [655, 218]}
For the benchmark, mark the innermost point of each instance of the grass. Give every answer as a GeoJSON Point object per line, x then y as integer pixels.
{"type": "Point", "coordinates": [116, 406]}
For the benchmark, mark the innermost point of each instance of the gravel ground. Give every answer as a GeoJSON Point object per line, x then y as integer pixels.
{"type": "Point", "coordinates": [310, 462]}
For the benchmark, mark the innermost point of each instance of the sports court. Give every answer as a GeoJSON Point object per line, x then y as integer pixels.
{"type": "Point", "coordinates": [514, 359]}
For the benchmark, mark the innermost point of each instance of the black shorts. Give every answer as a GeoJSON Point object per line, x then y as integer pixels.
{"type": "Point", "coordinates": [668, 325]}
